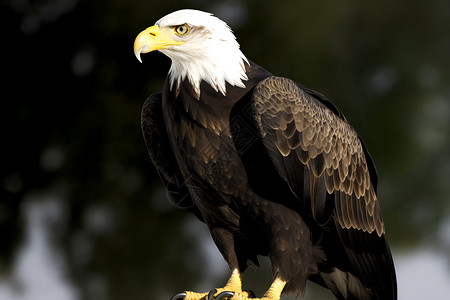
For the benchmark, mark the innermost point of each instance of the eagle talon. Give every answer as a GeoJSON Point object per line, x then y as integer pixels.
{"type": "Point", "coordinates": [211, 294]}
{"type": "Point", "coordinates": [179, 296]}
{"type": "Point", "coordinates": [225, 295]}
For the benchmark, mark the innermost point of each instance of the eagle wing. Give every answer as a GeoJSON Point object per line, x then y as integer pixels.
{"type": "Point", "coordinates": [161, 155]}
{"type": "Point", "coordinates": [298, 129]}
{"type": "Point", "coordinates": [327, 168]}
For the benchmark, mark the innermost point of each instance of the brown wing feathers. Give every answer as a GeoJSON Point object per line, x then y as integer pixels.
{"type": "Point", "coordinates": [326, 166]}
{"type": "Point", "coordinates": [324, 142]}
{"type": "Point", "coordinates": [159, 150]}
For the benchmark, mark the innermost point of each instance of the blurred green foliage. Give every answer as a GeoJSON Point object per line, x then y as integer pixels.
{"type": "Point", "coordinates": [73, 90]}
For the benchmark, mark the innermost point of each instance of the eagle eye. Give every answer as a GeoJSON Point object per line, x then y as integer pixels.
{"type": "Point", "coordinates": [181, 29]}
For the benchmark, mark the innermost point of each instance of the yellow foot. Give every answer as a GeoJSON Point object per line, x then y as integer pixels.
{"type": "Point", "coordinates": [215, 294]}
{"type": "Point", "coordinates": [233, 291]}
{"type": "Point", "coordinates": [229, 295]}
{"type": "Point", "coordinates": [224, 294]}
{"type": "Point", "coordinates": [273, 293]}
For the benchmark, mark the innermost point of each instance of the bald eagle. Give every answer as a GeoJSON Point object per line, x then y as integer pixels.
{"type": "Point", "coordinates": [273, 168]}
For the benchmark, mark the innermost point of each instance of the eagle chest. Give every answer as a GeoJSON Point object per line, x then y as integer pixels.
{"type": "Point", "coordinates": [205, 152]}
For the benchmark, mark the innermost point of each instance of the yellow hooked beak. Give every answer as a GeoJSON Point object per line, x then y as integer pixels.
{"type": "Point", "coordinates": [153, 38]}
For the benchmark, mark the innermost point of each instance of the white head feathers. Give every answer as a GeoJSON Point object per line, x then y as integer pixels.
{"type": "Point", "coordinates": [210, 51]}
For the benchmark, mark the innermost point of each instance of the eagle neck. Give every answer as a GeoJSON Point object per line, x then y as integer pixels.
{"type": "Point", "coordinates": [211, 110]}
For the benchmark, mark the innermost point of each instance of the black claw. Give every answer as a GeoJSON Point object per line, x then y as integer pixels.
{"type": "Point", "coordinates": [211, 294]}
{"type": "Point", "coordinates": [179, 296]}
{"type": "Point", "coordinates": [225, 295]}
{"type": "Point", "coordinates": [250, 293]}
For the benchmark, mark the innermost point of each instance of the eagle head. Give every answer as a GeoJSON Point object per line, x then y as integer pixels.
{"type": "Point", "coordinates": [201, 47]}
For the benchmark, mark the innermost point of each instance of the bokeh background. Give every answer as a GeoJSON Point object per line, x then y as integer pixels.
{"type": "Point", "coordinates": [82, 213]}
